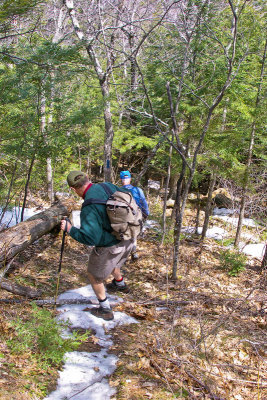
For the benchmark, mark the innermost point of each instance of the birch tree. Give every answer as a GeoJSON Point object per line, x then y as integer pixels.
{"type": "Point", "coordinates": [47, 104]}
{"type": "Point", "coordinates": [103, 38]}
{"type": "Point", "coordinates": [102, 73]}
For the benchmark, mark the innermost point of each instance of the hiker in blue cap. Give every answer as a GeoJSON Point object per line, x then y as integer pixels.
{"type": "Point", "coordinates": [140, 199]}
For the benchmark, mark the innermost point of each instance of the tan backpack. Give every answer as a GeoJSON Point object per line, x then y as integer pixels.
{"type": "Point", "coordinates": [124, 215]}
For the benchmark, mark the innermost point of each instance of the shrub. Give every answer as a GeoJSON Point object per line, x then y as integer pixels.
{"type": "Point", "coordinates": [41, 337]}
{"type": "Point", "coordinates": [232, 262]}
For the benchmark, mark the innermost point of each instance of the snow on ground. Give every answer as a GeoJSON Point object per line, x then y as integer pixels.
{"type": "Point", "coordinates": [223, 211]}
{"type": "Point", "coordinates": [11, 218]}
{"type": "Point", "coordinates": [83, 377]}
{"type": "Point", "coordinates": [234, 221]}
{"type": "Point", "coordinates": [223, 214]}
{"type": "Point", "coordinates": [151, 224]}
{"type": "Point", "coordinates": [255, 250]}
{"type": "Point", "coordinates": [213, 233]}
{"type": "Point", "coordinates": [84, 374]}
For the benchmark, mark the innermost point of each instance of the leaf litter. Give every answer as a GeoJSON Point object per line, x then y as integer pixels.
{"type": "Point", "coordinates": [201, 337]}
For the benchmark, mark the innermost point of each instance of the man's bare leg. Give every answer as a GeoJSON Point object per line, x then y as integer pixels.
{"type": "Point", "coordinates": [116, 273]}
{"type": "Point", "coordinates": [104, 311]}
{"type": "Point", "coordinates": [118, 283]}
{"type": "Point", "coordinates": [98, 288]}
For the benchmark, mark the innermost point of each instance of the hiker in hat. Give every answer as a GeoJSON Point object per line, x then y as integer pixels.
{"type": "Point", "coordinates": [140, 199]}
{"type": "Point", "coordinates": [108, 254]}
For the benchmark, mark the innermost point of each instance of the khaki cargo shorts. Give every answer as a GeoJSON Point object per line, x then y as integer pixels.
{"type": "Point", "coordinates": [103, 260]}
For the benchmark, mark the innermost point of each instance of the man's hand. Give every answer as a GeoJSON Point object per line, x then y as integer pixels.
{"type": "Point", "coordinates": [65, 225]}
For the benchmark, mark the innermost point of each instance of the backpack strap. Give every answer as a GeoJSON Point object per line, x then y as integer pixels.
{"type": "Point", "coordinates": [108, 191]}
{"type": "Point", "coordinates": [106, 188]}
{"type": "Point", "coordinates": [93, 201]}
{"type": "Point", "coordinates": [137, 191]}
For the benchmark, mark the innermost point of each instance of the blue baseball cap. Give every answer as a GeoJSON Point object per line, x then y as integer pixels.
{"type": "Point", "coordinates": [125, 174]}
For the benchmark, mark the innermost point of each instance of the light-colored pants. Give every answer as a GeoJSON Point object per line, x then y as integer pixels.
{"type": "Point", "coordinates": [103, 260]}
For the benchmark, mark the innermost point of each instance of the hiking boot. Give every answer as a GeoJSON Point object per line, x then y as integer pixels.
{"type": "Point", "coordinates": [105, 313]}
{"type": "Point", "coordinates": [113, 287]}
{"type": "Point", "coordinates": [134, 256]}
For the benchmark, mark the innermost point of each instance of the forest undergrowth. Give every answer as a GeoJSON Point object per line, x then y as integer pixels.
{"type": "Point", "coordinates": [200, 337]}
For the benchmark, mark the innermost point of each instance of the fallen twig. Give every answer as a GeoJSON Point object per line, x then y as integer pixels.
{"type": "Point", "coordinates": [222, 320]}
{"type": "Point", "coordinates": [212, 395]}
{"type": "Point", "coordinates": [51, 301]}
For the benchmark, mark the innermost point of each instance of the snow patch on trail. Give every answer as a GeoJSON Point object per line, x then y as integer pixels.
{"type": "Point", "coordinates": [83, 374]}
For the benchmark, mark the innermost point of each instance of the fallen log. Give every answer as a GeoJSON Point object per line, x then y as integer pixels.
{"type": "Point", "coordinates": [19, 289]}
{"type": "Point", "coordinates": [17, 238]}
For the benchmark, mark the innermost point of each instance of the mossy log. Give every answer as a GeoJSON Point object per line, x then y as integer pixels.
{"type": "Point", "coordinates": [17, 238]}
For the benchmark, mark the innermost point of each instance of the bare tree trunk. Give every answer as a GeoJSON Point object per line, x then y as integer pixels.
{"type": "Point", "coordinates": [180, 207]}
{"type": "Point", "coordinates": [109, 133]}
{"type": "Point", "coordinates": [264, 260]}
{"type": "Point", "coordinates": [103, 78]}
{"type": "Point", "coordinates": [180, 213]}
{"type": "Point", "coordinates": [249, 159]}
{"type": "Point", "coordinates": [45, 124]}
{"type": "Point", "coordinates": [88, 161]}
{"type": "Point", "coordinates": [27, 186]}
{"type": "Point", "coordinates": [173, 185]}
{"type": "Point", "coordinates": [56, 38]}
{"type": "Point", "coordinates": [166, 196]}
{"type": "Point", "coordinates": [198, 212]}
{"type": "Point", "coordinates": [150, 157]}
{"type": "Point", "coordinates": [50, 182]}
{"type": "Point", "coordinates": [211, 186]}
{"type": "Point", "coordinates": [208, 206]}
{"type": "Point", "coordinates": [49, 169]}
{"type": "Point", "coordinates": [9, 192]}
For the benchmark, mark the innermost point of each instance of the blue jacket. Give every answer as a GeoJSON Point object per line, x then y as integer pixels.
{"type": "Point", "coordinates": [139, 197]}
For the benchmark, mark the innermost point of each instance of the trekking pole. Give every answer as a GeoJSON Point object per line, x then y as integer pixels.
{"type": "Point", "coordinates": [61, 255]}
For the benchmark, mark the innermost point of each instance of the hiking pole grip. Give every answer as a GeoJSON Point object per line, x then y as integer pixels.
{"type": "Point", "coordinates": [67, 220]}
{"type": "Point", "coordinates": [61, 255]}
{"type": "Point", "coordinates": [63, 243]}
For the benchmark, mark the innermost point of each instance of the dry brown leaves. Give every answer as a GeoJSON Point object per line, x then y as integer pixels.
{"type": "Point", "coordinates": [203, 336]}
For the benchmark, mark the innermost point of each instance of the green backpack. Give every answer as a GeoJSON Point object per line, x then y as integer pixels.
{"type": "Point", "coordinates": [124, 215]}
